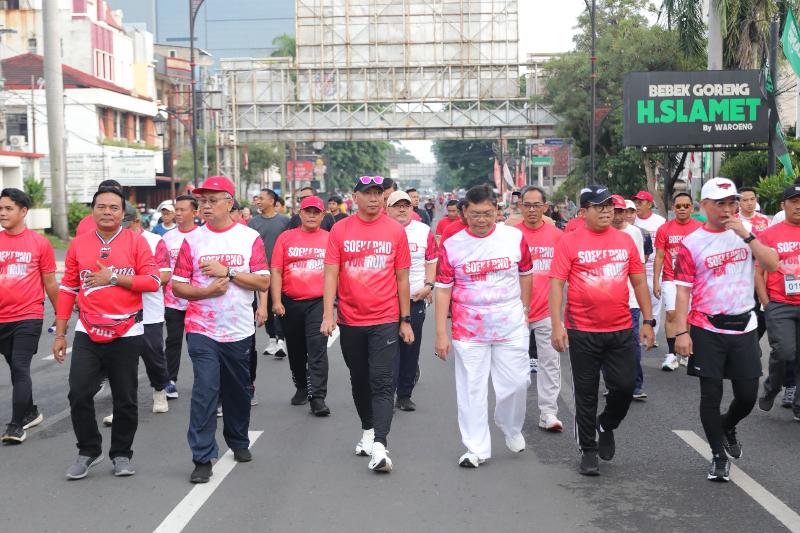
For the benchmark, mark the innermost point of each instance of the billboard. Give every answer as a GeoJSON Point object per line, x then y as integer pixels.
{"type": "Point", "coordinates": [694, 108]}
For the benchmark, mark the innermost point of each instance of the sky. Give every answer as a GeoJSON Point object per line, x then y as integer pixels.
{"type": "Point", "coordinates": [541, 29]}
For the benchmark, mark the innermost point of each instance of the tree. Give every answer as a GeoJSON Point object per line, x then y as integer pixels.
{"type": "Point", "coordinates": [260, 156]}
{"type": "Point", "coordinates": [348, 160]}
{"type": "Point", "coordinates": [463, 163]}
{"type": "Point", "coordinates": [285, 46]}
{"type": "Point", "coordinates": [401, 155]}
{"type": "Point", "coordinates": [183, 166]}
{"type": "Point", "coordinates": [626, 42]}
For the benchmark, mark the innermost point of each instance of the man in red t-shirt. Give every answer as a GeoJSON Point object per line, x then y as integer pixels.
{"type": "Point", "coordinates": [27, 270]}
{"type": "Point", "coordinates": [87, 224]}
{"type": "Point", "coordinates": [747, 210]}
{"type": "Point", "coordinates": [668, 242]}
{"type": "Point", "coordinates": [107, 271]}
{"type": "Point", "coordinates": [597, 261]}
{"type": "Point", "coordinates": [297, 285]}
{"type": "Point", "coordinates": [782, 309]}
{"type": "Point", "coordinates": [456, 225]}
{"type": "Point", "coordinates": [368, 260]}
{"type": "Point", "coordinates": [452, 215]}
{"type": "Point", "coordinates": [542, 238]}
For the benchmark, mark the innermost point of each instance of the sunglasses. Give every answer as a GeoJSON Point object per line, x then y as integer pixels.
{"type": "Point", "coordinates": [366, 180]}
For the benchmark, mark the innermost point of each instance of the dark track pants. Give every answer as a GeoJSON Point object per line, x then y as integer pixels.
{"type": "Point", "coordinates": [18, 343]}
{"type": "Point", "coordinates": [174, 320]}
{"type": "Point", "coordinates": [407, 360]}
{"type": "Point", "coordinates": [155, 361]}
{"type": "Point", "coordinates": [308, 348]}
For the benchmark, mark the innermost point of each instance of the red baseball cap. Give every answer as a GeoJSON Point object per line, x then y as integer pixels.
{"type": "Point", "coordinates": [618, 201]}
{"type": "Point", "coordinates": [215, 184]}
{"type": "Point", "coordinates": [312, 201]}
{"type": "Point", "coordinates": [643, 195]}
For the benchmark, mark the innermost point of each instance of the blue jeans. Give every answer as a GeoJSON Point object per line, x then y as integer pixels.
{"type": "Point", "coordinates": [221, 372]}
{"type": "Point", "coordinates": [635, 313]}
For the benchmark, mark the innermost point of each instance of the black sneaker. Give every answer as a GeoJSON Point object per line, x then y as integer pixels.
{"type": "Point", "coordinates": [732, 444]}
{"type": "Point", "coordinates": [300, 397]}
{"type": "Point", "coordinates": [606, 447]}
{"type": "Point", "coordinates": [720, 469]}
{"type": "Point", "coordinates": [318, 407]}
{"type": "Point", "coordinates": [242, 455]}
{"type": "Point", "coordinates": [32, 419]}
{"type": "Point", "coordinates": [14, 434]}
{"type": "Point", "coordinates": [589, 465]}
{"type": "Point", "coordinates": [405, 404]}
{"type": "Point", "coordinates": [202, 473]}
{"type": "Point", "coordinates": [765, 402]}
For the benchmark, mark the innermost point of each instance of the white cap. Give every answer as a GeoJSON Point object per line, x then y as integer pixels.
{"type": "Point", "coordinates": [717, 189]}
{"type": "Point", "coordinates": [397, 196]}
{"type": "Point", "coordinates": [629, 204]}
{"type": "Point", "coordinates": [168, 205]}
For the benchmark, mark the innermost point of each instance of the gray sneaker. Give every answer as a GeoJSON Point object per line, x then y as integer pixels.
{"type": "Point", "coordinates": [122, 466]}
{"type": "Point", "coordinates": [80, 469]}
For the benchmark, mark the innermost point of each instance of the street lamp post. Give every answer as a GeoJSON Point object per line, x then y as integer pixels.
{"type": "Point", "coordinates": [593, 131]}
{"type": "Point", "coordinates": [161, 126]}
{"type": "Point", "coordinates": [194, 8]}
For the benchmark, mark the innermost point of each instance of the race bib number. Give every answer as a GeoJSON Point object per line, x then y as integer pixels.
{"type": "Point", "coordinates": [791, 285]}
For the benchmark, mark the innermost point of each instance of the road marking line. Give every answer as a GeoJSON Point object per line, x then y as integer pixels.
{"type": "Point", "coordinates": [52, 358]}
{"type": "Point", "coordinates": [188, 507]}
{"type": "Point", "coordinates": [755, 490]}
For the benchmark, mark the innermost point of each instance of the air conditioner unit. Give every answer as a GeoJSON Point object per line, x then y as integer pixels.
{"type": "Point", "coordinates": [16, 141]}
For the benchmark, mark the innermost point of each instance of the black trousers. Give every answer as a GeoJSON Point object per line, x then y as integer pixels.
{"type": "Point", "coordinates": [308, 348]}
{"type": "Point", "coordinates": [155, 362]}
{"type": "Point", "coordinates": [273, 325]}
{"type": "Point", "coordinates": [369, 352]}
{"type": "Point", "coordinates": [119, 361]}
{"type": "Point", "coordinates": [715, 423]}
{"type": "Point", "coordinates": [407, 360]}
{"type": "Point", "coordinates": [588, 352]}
{"type": "Point", "coordinates": [18, 343]}
{"type": "Point", "coordinates": [174, 320]}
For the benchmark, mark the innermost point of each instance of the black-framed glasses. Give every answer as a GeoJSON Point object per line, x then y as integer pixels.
{"type": "Point", "coordinates": [537, 205]}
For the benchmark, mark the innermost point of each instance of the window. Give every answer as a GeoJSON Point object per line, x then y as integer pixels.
{"type": "Point", "coordinates": [119, 125]}
{"type": "Point", "coordinates": [17, 124]}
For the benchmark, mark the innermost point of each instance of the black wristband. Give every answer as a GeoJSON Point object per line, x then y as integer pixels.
{"type": "Point", "coordinates": [750, 238]}
{"type": "Point", "coordinates": [429, 284]}
{"type": "Point", "coordinates": [681, 333]}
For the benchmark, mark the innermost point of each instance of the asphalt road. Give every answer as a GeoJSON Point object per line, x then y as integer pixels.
{"type": "Point", "coordinates": [304, 476]}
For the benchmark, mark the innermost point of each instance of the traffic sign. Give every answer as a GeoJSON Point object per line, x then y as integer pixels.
{"type": "Point", "coordinates": [540, 161]}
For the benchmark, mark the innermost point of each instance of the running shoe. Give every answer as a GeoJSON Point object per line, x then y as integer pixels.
{"type": "Point", "coordinates": [280, 350]}
{"type": "Point", "coordinates": [122, 466]}
{"type": "Point", "coordinates": [32, 419]}
{"type": "Point", "coordinates": [549, 422]}
{"type": "Point", "coordinates": [606, 447]}
{"type": "Point", "coordinates": [670, 363]}
{"type": "Point", "coordinates": [242, 455]}
{"type": "Point", "coordinates": [14, 434]}
{"type": "Point", "coordinates": [172, 391]}
{"type": "Point", "coordinates": [272, 346]}
{"type": "Point", "coordinates": [380, 461]}
{"type": "Point", "coordinates": [364, 446]}
{"type": "Point", "coordinates": [515, 443]}
{"type": "Point", "coordinates": [534, 366]}
{"type": "Point", "coordinates": [108, 420]}
{"type": "Point", "coordinates": [589, 465]}
{"type": "Point", "coordinates": [788, 396]}
{"type": "Point", "coordinates": [470, 460]}
{"type": "Point", "coordinates": [405, 404]}
{"type": "Point", "coordinates": [732, 444]}
{"type": "Point", "coordinates": [683, 360]}
{"type": "Point", "coordinates": [318, 407]}
{"type": "Point", "coordinates": [202, 473]}
{"type": "Point", "coordinates": [639, 395]}
{"type": "Point", "coordinates": [80, 468]}
{"type": "Point", "coordinates": [300, 397]}
{"type": "Point", "coordinates": [766, 401]}
{"type": "Point", "coordinates": [160, 401]}
{"type": "Point", "coordinates": [720, 469]}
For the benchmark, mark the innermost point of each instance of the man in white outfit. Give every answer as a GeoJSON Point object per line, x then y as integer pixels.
{"type": "Point", "coordinates": [650, 222]}
{"type": "Point", "coordinates": [484, 272]}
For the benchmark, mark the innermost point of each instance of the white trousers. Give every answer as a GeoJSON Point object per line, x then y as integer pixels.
{"type": "Point", "coordinates": [548, 377]}
{"type": "Point", "coordinates": [507, 363]}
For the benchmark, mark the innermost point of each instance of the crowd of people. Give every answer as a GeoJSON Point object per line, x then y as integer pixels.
{"type": "Point", "coordinates": [511, 290]}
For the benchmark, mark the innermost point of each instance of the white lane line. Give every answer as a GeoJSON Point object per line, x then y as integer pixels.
{"type": "Point", "coordinates": [188, 507]}
{"type": "Point", "coordinates": [755, 490]}
{"type": "Point", "coordinates": [52, 358]}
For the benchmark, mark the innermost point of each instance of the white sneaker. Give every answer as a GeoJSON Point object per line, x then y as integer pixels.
{"type": "Point", "coordinates": [549, 422]}
{"type": "Point", "coordinates": [364, 446]}
{"type": "Point", "coordinates": [272, 346]}
{"type": "Point", "coordinates": [281, 350]}
{"type": "Point", "coordinates": [160, 401]}
{"type": "Point", "coordinates": [470, 460]}
{"type": "Point", "coordinates": [380, 461]}
{"type": "Point", "coordinates": [670, 363]}
{"type": "Point", "coordinates": [107, 421]}
{"type": "Point", "coordinates": [516, 443]}
{"type": "Point", "coordinates": [683, 360]}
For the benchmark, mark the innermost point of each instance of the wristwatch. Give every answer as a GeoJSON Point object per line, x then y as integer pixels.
{"type": "Point", "coordinates": [231, 273]}
{"type": "Point", "coordinates": [113, 279]}
{"type": "Point", "coordinates": [750, 238]}
{"type": "Point", "coordinates": [429, 284]}
{"type": "Point", "coordinates": [406, 319]}
{"type": "Point", "coordinates": [651, 322]}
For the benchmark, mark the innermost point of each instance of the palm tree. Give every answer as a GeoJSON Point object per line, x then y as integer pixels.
{"type": "Point", "coordinates": [285, 46]}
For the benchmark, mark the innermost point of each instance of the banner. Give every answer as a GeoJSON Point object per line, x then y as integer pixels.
{"type": "Point", "coordinates": [777, 141]}
{"type": "Point", "coordinates": [790, 39]}
{"type": "Point", "coordinates": [694, 108]}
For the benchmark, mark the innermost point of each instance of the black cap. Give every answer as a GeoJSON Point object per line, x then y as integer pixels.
{"type": "Point", "coordinates": [360, 187]}
{"type": "Point", "coordinates": [337, 199]}
{"type": "Point", "coordinates": [236, 206]}
{"type": "Point", "coordinates": [595, 195]}
{"type": "Point", "coordinates": [791, 191]}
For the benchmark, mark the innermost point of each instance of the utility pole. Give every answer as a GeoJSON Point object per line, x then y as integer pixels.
{"type": "Point", "coordinates": [54, 92]}
{"type": "Point", "coordinates": [715, 61]}
{"type": "Point", "coordinates": [194, 8]}
{"type": "Point", "coordinates": [293, 183]}
{"type": "Point", "coordinates": [593, 132]}
{"type": "Point", "coordinates": [33, 117]}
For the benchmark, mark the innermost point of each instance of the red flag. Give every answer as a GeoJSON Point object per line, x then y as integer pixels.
{"type": "Point", "coordinates": [246, 159]}
{"type": "Point", "coordinates": [520, 175]}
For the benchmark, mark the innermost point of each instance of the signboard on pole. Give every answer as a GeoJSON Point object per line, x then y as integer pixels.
{"type": "Point", "coordinates": [540, 161]}
{"type": "Point", "coordinates": [133, 170]}
{"type": "Point", "coordinates": [300, 170]}
{"type": "Point", "coordinates": [694, 108]}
